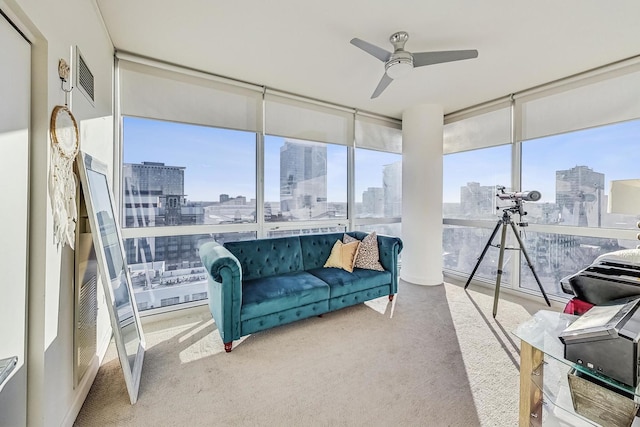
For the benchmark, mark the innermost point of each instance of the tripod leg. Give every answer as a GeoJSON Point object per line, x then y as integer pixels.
{"type": "Point", "coordinates": [484, 251]}
{"type": "Point", "coordinates": [526, 256]}
{"type": "Point", "coordinates": [496, 296]}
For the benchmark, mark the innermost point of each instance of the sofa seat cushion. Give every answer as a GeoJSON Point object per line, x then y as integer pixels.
{"type": "Point", "coordinates": [342, 282]}
{"type": "Point", "coordinates": [277, 293]}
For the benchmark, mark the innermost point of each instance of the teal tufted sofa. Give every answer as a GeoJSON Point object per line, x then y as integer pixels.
{"type": "Point", "coordinates": [259, 284]}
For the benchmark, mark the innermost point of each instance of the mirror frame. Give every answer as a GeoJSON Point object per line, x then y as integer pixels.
{"type": "Point", "coordinates": [87, 164]}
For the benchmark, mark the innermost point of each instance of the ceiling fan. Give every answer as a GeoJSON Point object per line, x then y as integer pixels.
{"type": "Point", "coordinates": [398, 63]}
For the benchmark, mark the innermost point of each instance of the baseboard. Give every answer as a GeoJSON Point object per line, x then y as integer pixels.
{"type": "Point", "coordinates": [425, 281]}
{"type": "Point", "coordinates": [82, 390]}
{"type": "Point", "coordinates": [557, 302]}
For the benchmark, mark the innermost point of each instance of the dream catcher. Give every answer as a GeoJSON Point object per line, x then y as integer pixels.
{"type": "Point", "coordinates": [62, 179]}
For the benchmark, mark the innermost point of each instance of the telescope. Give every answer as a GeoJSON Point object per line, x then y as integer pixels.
{"type": "Point", "coordinates": [518, 198]}
{"type": "Point", "coordinates": [525, 196]}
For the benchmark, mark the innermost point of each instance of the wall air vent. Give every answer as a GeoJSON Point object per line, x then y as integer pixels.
{"type": "Point", "coordinates": [84, 78]}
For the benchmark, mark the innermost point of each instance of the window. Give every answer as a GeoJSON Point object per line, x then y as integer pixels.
{"type": "Point", "coordinates": [304, 180]}
{"type": "Point", "coordinates": [180, 174]}
{"type": "Point", "coordinates": [169, 301]}
{"type": "Point", "coordinates": [462, 246]}
{"type": "Point", "coordinates": [556, 256]}
{"type": "Point", "coordinates": [573, 142]}
{"type": "Point", "coordinates": [378, 184]}
{"type": "Point", "coordinates": [393, 229]}
{"type": "Point", "coordinates": [307, 230]}
{"type": "Point", "coordinates": [166, 269]}
{"type": "Point", "coordinates": [576, 173]}
{"type": "Point", "coordinates": [199, 296]}
{"type": "Point", "coordinates": [204, 157]}
{"type": "Point", "coordinates": [470, 179]}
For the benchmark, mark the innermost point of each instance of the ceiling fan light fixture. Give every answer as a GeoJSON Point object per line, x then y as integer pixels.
{"type": "Point", "coordinates": [398, 68]}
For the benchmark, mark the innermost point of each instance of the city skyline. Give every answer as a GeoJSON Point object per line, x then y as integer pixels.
{"type": "Point", "coordinates": [611, 150]}
{"type": "Point", "coordinates": [221, 161]}
{"type": "Point", "coordinates": [489, 166]}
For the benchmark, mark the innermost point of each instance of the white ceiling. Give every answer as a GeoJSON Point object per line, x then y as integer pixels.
{"type": "Point", "coordinates": [303, 47]}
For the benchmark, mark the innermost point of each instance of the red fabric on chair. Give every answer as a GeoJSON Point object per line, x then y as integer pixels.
{"type": "Point", "coordinates": [577, 306]}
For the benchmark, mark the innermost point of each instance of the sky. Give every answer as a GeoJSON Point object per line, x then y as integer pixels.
{"type": "Point", "coordinates": [220, 161]}
{"type": "Point", "coordinates": [613, 150]}
{"type": "Point", "coordinates": [214, 165]}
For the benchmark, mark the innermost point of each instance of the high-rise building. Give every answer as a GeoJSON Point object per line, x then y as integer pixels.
{"type": "Point", "coordinates": [150, 188]}
{"type": "Point", "coordinates": [303, 179]}
{"type": "Point", "coordinates": [478, 200]}
{"type": "Point", "coordinates": [154, 196]}
{"type": "Point", "coordinates": [373, 201]}
{"type": "Point", "coordinates": [392, 185]}
{"type": "Point", "coordinates": [579, 196]}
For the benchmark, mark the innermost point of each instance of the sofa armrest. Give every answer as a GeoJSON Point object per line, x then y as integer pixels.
{"type": "Point", "coordinates": [389, 248]}
{"type": "Point", "coordinates": [224, 289]}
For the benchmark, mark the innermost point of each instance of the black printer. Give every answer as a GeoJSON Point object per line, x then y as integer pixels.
{"type": "Point", "coordinates": [605, 340]}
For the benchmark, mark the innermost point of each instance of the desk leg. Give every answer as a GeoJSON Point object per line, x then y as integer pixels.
{"type": "Point", "coordinates": [530, 395]}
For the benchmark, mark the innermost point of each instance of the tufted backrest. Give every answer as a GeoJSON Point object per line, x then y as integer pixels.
{"type": "Point", "coordinates": [316, 248]}
{"type": "Point", "coordinates": [267, 257]}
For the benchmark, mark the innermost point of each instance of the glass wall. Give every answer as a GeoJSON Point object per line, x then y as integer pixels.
{"type": "Point", "coordinates": [556, 256]}
{"type": "Point", "coordinates": [570, 141]}
{"type": "Point", "coordinates": [167, 270]}
{"type": "Point", "coordinates": [462, 246]}
{"type": "Point", "coordinates": [470, 179]}
{"type": "Point", "coordinates": [206, 158]}
{"type": "Point", "coordinates": [576, 175]}
{"type": "Point", "coordinates": [575, 181]}
{"type": "Point", "coordinates": [304, 180]}
{"type": "Point", "coordinates": [181, 174]}
{"type": "Point", "coordinates": [378, 184]}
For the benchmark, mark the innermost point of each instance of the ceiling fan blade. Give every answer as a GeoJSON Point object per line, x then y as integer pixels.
{"type": "Point", "coordinates": [428, 58]}
{"type": "Point", "coordinates": [372, 49]}
{"type": "Point", "coordinates": [384, 82]}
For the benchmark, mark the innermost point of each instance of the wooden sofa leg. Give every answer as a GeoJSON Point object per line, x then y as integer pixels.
{"type": "Point", "coordinates": [227, 346]}
{"type": "Point", "coordinates": [391, 297]}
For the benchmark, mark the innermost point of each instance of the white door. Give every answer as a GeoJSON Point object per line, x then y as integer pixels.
{"type": "Point", "coordinates": [15, 75]}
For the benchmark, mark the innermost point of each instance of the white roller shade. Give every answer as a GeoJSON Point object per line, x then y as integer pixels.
{"type": "Point", "coordinates": [167, 93]}
{"type": "Point", "coordinates": [378, 134]}
{"type": "Point", "coordinates": [607, 98]}
{"type": "Point", "coordinates": [295, 118]}
{"type": "Point", "coordinates": [479, 129]}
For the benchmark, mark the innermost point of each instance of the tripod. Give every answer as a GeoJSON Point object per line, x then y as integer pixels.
{"type": "Point", "coordinates": [506, 219]}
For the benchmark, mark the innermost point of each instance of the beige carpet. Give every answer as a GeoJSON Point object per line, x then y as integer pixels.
{"type": "Point", "coordinates": [433, 357]}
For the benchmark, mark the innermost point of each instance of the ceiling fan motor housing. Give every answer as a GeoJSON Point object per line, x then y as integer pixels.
{"type": "Point", "coordinates": [400, 63]}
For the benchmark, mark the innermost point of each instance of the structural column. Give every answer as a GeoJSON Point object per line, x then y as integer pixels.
{"type": "Point", "coordinates": [422, 195]}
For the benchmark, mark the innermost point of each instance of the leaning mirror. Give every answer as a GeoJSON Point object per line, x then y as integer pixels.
{"type": "Point", "coordinates": [125, 321]}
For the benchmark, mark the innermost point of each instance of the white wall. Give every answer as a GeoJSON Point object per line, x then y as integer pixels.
{"type": "Point", "coordinates": [55, 28]}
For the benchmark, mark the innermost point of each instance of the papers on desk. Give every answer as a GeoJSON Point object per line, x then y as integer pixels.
{"type": "Point", "coordinates": [599, 321]}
